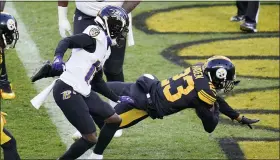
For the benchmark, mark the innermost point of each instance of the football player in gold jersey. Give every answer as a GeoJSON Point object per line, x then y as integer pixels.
{"type": "Point", "coordinates": [8, 38]}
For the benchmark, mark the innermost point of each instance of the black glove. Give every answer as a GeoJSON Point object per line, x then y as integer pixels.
{"type": "Point", "coordinates": [45, 71]}
{"type": "Point", "coordinates": [245, 120]}
{"type": "Point", "coordinates": [236, 82]}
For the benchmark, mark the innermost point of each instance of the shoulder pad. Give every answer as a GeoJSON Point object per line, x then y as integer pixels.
{"type": "Point", "coordinates": [207, 96]}
{"type": "Point", "coordinates": [93, 31]}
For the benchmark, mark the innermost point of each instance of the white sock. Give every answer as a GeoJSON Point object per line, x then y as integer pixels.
{"type": "Point", "coordinates": [95, 156]}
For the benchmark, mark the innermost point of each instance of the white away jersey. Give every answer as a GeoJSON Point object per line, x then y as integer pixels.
{"type": "Point", "coordinates": [92, 7]}
{"type": "Point", "coordinates": [80, 66]}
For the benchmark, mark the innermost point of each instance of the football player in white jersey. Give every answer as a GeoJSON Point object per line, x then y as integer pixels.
{"type": "Point", "coordinates": [72, 91]}
{"type": "Point", "coordinates": [85, 13]}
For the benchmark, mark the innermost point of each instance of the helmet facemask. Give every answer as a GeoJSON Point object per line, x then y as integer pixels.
{"type": "Point", "coordinates": [10, 39]}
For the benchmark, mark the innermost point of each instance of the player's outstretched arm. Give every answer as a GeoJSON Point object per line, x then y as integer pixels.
{"type": "Point", "coordinates": [234, 115]}
{"type": "Point", "coordinates": [208, 114]}
{"type": "Point", "coordinates": [99, 85]}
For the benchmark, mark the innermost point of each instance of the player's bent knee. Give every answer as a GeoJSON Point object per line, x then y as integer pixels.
{"type": "Point", "coordinates": [90, 137]}
{"type": "Point", "coordinates": [115, 118]}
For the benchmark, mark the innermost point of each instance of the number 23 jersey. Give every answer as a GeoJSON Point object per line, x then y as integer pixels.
{"type": "Point", "coordinates": [180, 91]}
{"type": "Point", "coordinates": [82, 65]}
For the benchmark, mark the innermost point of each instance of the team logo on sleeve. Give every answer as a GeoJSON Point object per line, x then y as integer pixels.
{"type": "Point", "coordinates": [94, 32]}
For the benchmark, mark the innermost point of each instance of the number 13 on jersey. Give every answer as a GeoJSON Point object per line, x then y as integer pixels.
{"type": "Point", "coordinates": [181, 90]}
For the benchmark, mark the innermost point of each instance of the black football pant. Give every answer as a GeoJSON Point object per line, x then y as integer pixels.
{"type": "Point", "coordinates": [79, 109]}
{"type": "Point", "coordinates": [10, 147]}
{"type": "Point", "coordinates": [250, 9]}
{"type": "Point", "coordinates": [113, 67]}
{"type": "Point", "coordinates": [130, 114]}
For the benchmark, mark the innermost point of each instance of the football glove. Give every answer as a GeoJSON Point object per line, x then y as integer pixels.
{"type": "Point", "coordinates": [125, 99]}
{"type": "Point", "coordinates": [58, 63]}
{"type": "Point", "coordinates": [44, 72]}
{"type": "Point", "coordinates": [63, 23]}
{"type": "Point", "coordinates": [244, 120]}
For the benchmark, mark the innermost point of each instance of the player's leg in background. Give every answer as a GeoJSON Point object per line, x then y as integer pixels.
{"type": "Point", "coordinates": [2, 5]}
{"type": "Point", "coordinates": [241, 7]}
{"type": "Point", "coordinates": [252, 12]}
{"type": "Point", "coordinates": [82, 21]}
{"type": "Point", "coordinates": [76, 111]}
{"type": "Point", "coordinates": [113, 67]}
{"type": "Point", "coordinates": [241, 10]}
{"type": "Point", "coordinates": [113, 70]}
{"type": "Point", "coordinates": [8, 143]}
{"type": "Point", "coordinates": [6, 91]}
{"type": "Point", "coordinates": [251, 17]}
{"type": "Point", "coordinates": [112, 121]}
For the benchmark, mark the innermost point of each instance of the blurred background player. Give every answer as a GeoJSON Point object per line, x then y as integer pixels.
{"type": "Point", "coordinates": [8, 38]}
{"type": "Point", "coordinates": [2, 5]}
{"type": "Point", "coordinates": [249, 12]}
{"type": "Point", "coordinates": [85, 14]}
{"type": "Point", "coordinates": [8, 142]}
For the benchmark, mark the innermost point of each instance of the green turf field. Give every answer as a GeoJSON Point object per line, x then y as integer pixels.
{"type": "Point", "coordinates": [168, 38]}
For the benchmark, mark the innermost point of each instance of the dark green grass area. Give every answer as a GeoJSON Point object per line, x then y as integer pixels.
{"type": "Point", "coordinates": [177, 136]}
{"type": "Point", "coordinates": [36, 135]}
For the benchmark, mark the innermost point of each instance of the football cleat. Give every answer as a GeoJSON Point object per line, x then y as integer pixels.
{"type": "Point", "coordinates": [248, 27]}
{"type": "Point", "coordinates": [237, 18]}
{"type": "Point", "coordinates": [45, 71]}
{"type": "Point", "coordinates": [6, 91]}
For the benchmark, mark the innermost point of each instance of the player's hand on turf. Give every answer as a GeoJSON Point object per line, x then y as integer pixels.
{"type": "Point", "coordinates": [64, 27]}
{"type": "Point", "coordinates": [248, 121]}
{"type": "Point", "coordinates": [58, 63]}
{"type": "Point", "coordinates": [125, 99]}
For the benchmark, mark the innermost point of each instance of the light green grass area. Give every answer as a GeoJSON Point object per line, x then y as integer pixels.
{"type": "Point", "coordinates": [177, 136]}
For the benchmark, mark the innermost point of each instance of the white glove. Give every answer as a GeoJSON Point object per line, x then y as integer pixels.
{"type": "Point", "coordinates": [63, 22]}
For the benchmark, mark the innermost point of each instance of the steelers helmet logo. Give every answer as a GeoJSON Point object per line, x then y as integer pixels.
{"type": "Point", "coordinates": [94, 32]}
{"type": "Point", "coordinates": [11, 25]}
{"type": "Point", "coordinates": [221, 73]}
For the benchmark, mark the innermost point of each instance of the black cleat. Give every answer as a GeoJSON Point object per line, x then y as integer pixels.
{"type": "Point", "coordinates": [44, 72]}
{"type": "Point", "coordinates": [248, 27]}
{"type": "Point", "coordinates": [237, 18]}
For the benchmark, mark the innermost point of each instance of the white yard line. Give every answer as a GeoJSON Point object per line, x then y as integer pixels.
{"type": "Point", "coordinates": [30, 57]}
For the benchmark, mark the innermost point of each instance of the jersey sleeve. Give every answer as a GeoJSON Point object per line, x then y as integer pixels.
{"type": "Point", "coordinates": [207, 96]}
{"type": "Point", "coordinates": [93, 31]}
{"type": "Point", "coordinates": [75, 41]}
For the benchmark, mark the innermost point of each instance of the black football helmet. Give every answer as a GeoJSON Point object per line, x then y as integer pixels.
{"type": "Point", "coordinates": [221, 72]}
{"type": "Point", "coordinates": [8, 29]}
{"type": "Point", "coordinates": [114, 20]}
